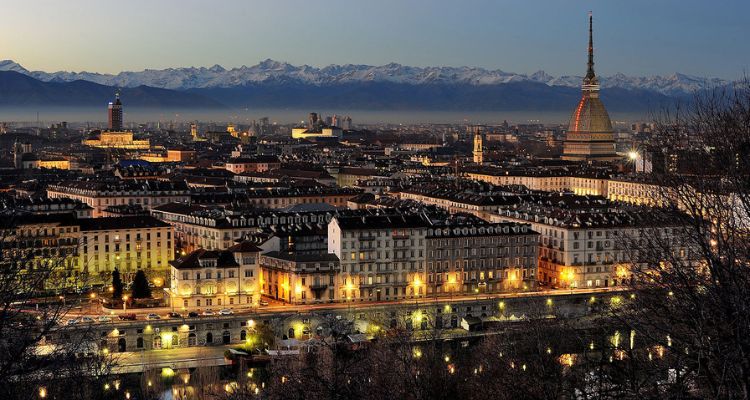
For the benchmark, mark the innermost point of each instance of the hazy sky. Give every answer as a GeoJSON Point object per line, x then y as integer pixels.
{"type": "Point", "coordinates": [635, 37]}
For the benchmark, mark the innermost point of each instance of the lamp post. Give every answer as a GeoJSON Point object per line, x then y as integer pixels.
{"type": "Point", "coordinates": [633, 157]}
{"type": "Point", "coordinates": [93, 302]}
{"type": "Point", "coordinates": [417, 283]}
{"type": "Point", "coordinates": [124, 303]}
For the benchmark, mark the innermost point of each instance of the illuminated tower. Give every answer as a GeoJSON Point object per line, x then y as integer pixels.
{"type": "Point", "coordinates": [478, 147]}
{"type": "Point", "coordinates": [114, 113]}
{"type": "Point", "coordinates": [194, 131]}
{"type": "Point", "coordinates": [590, 136]}
{"type": "Point", "coordinates": [232, 130]}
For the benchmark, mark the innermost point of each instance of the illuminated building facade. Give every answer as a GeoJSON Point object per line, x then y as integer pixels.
{"type": "Point", "coordinates": [300, 278]}
{"type": "Point", "coordinates": [128, 244]}
{"type": "Point", "coordinates": [216, 278]}
{"type": "Point", "coordinates": [118, 140]}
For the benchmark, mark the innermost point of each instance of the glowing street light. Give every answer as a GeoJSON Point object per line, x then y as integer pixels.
{"type": "Point", "coordinates": [125, 303]}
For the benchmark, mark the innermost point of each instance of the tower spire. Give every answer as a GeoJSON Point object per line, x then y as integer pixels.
{"type": "Point", "coordinates": [590, 76]}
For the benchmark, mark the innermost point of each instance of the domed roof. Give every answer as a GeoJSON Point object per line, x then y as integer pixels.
{"type": "Point", "coordinates": [590, 116]}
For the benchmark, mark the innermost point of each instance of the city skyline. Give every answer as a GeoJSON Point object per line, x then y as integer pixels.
{"type": "Point", "coordinates": [639, 38]}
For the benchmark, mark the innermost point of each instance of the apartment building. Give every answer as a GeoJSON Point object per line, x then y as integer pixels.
{"type": "Point", "coordinates": [99, 194]}
{"type": "Point", "coordinates": [587, 241]}
{"type": "Point", "coordinates": [392, 256]}
{"type": "Point", "coordinates": [300, 278]}
{"type": "Point", "coordinates": [216, 278]}
{"type": "Point", "coordinates": [128, 244]}
{"type": "Point", "coordinates": [216, 228]}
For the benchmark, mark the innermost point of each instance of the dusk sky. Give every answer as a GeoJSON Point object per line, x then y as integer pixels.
{"type": "Point", "coordinates": [636, 37]}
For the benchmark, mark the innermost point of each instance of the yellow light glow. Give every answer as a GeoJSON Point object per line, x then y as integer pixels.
{"type": "Point", "coordinates": [167, 372]}
{"type": "Point", "coordinates": [502, 305]}
{"type": "Point", "coordinates": [42, 392]}
{"type": "Point", "coordinates": [417, 317]}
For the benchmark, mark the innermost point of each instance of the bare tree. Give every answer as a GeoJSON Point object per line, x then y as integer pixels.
{"type": "Point", "coordinates": [693, 287]}
{"type": "Point", "coordinates": [29, 358]}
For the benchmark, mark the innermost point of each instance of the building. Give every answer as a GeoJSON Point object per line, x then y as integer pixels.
{"type": "Point", "coordinates": [322, 132]}
{"type": "Point", "coordinates": [590, 136]}
{"type": "Point", "coordinates": [581, 180]}
{"type": "Point", "coordinates": [42, 242]}
{"type": "Point", "coordinates": [214, 228]}
{"type": "Point", "coordinates": [216, 278]}
{"type": "Point", "coordinates": [478, 151]}
{"type": "Point", "coordinates": [117, 140]}
{"type": "Point", "coordinates": [298, 278]}
{"type": "Point", "coordinates": [383, 257]}
{"type": "Point", "coordinates": [586, 241]}
{"type": "Point", "coordinates": [396, 256]}
{"type": "Point", "coordinates": [240, 165]}
{"type": "Point", "coordinates": [171, 155]}
{"type": "Point", "coordinates": [43, 205]}
{"type": "Point", "coordinates": [128, 244]}
{"type": "Point", "coordinates": [100, 195]}
{"type": "Point", "coordinates": [478, 257]}
{"type": "Point", "coordinates": [114, 114]}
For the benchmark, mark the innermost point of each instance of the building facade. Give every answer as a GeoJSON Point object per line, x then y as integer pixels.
{"type": "Point", "coordinates": [216, 278]}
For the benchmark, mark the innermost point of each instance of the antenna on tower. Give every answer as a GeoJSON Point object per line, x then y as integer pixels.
{"type": "Point", "coordinates": [590, 72]}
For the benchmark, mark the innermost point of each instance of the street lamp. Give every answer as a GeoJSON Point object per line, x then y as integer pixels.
{"type": "Point", "coordinates": [417, 283]}
{"type": "Point", "coordinates": [124, 303]}
{"type": "Point", "coordinates": [93, 301]}
{"type": "Point", "coordinates": [633, 157]}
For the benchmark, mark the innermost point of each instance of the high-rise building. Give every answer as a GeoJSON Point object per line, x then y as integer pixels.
{"type": "Point", "coordinates": [312, 121]}
{"type": "Point", "coordinates": [590, 136]}
{"type": "Point", "coordinates": [346, 123]}
{"type": "Point", "coordinates": [114, 113]}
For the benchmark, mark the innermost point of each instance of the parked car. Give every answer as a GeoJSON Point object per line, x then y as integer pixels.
{"type": "Point", "coordinates": [105, 318]}
{"type": "Point", "coordinates": [263, 303]}
{"type": "Point", "coordinates": [174, 315]}
{"type": "Point", "coordinates": [226, 311]}
{"type": "Point", "coordinates": [193, 314]}
{"type": "Point", "coordinates": [208, 312]}
{"type": "Point", "coordinates": [127, 317]}
{"type": "Point", "coordinates": [72, 321]}
{"type": "Point", "coordinates": [87, 320]}
{"type": "Point", "coordinates": [153, 316]}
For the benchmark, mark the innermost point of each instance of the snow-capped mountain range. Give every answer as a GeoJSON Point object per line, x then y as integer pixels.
{"type": "Point", "coordinates": [270, 72]}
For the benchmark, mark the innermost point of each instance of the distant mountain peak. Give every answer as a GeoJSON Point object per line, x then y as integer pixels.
{"type": "Point", "coordinates": [10, 65]}
{"type": "Point", "coordinates": [275, 72]}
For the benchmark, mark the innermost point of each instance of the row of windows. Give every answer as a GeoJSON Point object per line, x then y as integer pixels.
{"type": "Point", "coordinates": [249, 273]}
